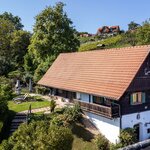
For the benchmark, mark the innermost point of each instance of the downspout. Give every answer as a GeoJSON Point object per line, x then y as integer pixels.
{"type": "Point", "coordinates": [120, 116]}
{"type": "Point", "coordinates": [89, 98]}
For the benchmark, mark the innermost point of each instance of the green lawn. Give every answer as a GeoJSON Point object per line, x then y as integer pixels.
{"type": "Point", "coordinates": [25, 105]}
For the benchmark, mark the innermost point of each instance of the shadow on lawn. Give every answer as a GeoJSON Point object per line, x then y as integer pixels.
{"type": "Point", "coordinates": [80, 131]}
{"type": "Point", "coordinates": [38, 100]}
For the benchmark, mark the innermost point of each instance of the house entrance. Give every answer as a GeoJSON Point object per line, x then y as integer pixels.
{"type": "Point", "coordinates": [137, 131]}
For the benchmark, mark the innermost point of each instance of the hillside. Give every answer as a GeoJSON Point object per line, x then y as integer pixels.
{"type": "Point", "coordinates": [135, 36]}
{"type": "Point", "coordinates": [111, 42]}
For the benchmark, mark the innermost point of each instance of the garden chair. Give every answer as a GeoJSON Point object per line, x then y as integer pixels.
{"type": "Point", "coordinates": [20, 99]}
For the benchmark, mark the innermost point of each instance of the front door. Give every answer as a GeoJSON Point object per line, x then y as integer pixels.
{"type": "Point", "coordinates": [137, 131]}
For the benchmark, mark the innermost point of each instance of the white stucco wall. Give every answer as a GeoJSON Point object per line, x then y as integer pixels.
{"type": "Point", "coordinates": [131, 119]}
{"type": "Point", "coordinates": [108, 127]}
{"type": "Point", "coordinates": [83, 97]}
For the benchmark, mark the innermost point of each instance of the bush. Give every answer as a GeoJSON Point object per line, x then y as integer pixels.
{"type": "Point", "coordinates": [5, 94]}
{"type": "Point", "coordinates": [52, 105]}
{"type": "Point", "coordinates": [128, 137]}
{"type": "Point", "coordinates": [5, 145]}
{"type": "Point", "coordinates": [60, 137]}
{"type": "Point", "coordinates": [3, 106]}
{"type": "Point", "coordinates": [73, 113]}
{"type": "Point", "coordinates": [68, 116]}
{"type": "Point", "coordinates": [101, 142]}
{"type": "Point", "coordinates": [1, 125]}
{"type": "Point", "coordinates": [115, 146]}
{"type": "Point", "coordinates": [58, 120]}
{"type": "Point", "coordinates": [5, 124]}
{"type": "Point", "coordinates": [40, 135]}
{"type": "Point", "coordinates": [41, 90]}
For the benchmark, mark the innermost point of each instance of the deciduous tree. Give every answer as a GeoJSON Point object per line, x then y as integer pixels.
{"type": "Point", "coordinates": [6, 29]}
{"type": "Point", "coordinates": [19, 44]}
{"type": "Point", "coordinates": [132, 25]}
{"type": "Point", "coordinates": [53, 34]}
{"type": "Point", "coordinates": [16, 21]}
{"type": "Point", "coordinates": [143, 33]}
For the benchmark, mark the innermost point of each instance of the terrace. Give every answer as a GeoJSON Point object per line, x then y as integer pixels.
{"type": "Point", "coordinates": [106, 111]}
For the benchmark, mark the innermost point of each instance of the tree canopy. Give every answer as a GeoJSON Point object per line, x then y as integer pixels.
{"type": "Point", "coordinates": [53, 34]}
{"type": "Point", "coordinates": [143, 33]}
{"type": "Point", "coordinates": [6, 29]}
{"type": "Point", "coordinates": [13, 46]}
{"type": "Point", "coordinates": [19, 44]}
{"type": "Point", "coordinates": [132, 25]}
{"type": "Point", "coordinates": [15, 20]}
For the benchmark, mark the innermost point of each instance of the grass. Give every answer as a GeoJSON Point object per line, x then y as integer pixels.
{"type": "Point", "coordinates": [110, 42]}
{"type": "Point", "coordinates": [80, 144]}
{"type": "Point", "coordinates": [82, 138]}
{"type": "Point", "coordinates": [39, 113]}
{"type": "Point", "coordinates": [25, 105]}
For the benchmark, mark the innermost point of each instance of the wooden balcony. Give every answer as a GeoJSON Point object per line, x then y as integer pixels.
{"type": "Point", "coordinates": [106, 111]}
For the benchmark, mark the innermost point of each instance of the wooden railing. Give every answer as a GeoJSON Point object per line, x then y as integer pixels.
{"type": "Point", "coordinates": [107, 111]}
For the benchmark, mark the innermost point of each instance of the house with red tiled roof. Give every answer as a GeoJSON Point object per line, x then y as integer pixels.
{"type": "Point", "coordinates": [112, 87]}
{"type": "Point", "coordinates": [105, 30]}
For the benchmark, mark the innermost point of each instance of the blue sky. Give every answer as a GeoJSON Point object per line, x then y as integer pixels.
{"type": "Point", "coordinates": [87, 15]}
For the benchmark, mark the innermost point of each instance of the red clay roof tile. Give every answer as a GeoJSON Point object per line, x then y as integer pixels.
{"type": "Point", "coordinates": [101, 72]}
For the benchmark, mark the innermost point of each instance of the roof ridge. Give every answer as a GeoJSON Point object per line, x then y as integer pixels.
{"type": "Point", "coordinates": [128, 47]}
{"type": "Point", "coordinates": [119, 48]}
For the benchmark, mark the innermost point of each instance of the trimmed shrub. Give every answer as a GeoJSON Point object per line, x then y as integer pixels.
{"type": "Point", "coordinates": [101, 142]}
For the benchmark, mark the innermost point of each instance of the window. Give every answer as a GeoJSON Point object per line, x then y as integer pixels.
{"type": "Point", "coordinates": [137, 98]}
{"type": "Point", "coordinates": [148, 97]}
{"type": "Point", "coordinates": [98, 100]}
{"type": "Point", "coordinates": [148, 130]}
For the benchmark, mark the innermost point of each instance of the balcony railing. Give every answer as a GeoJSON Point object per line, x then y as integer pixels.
{"type": "Point", "coordinates": [106, 111]}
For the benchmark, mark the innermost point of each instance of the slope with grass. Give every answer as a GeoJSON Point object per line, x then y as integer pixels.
{"type": "Point", "coordinates": [83, 139]}
{"type": "Point", "coordinates": [111, 42]}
